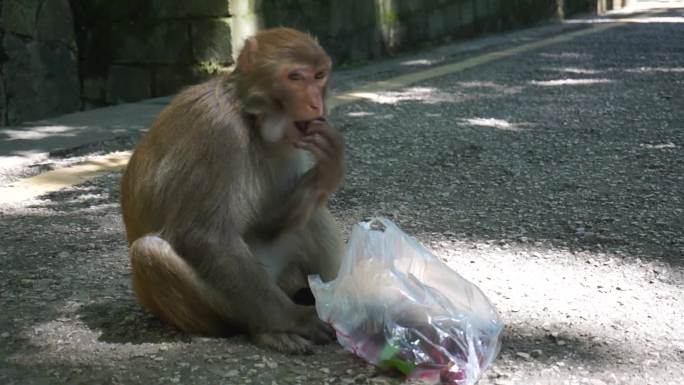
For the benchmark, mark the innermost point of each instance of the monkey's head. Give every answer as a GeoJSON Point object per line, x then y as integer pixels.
{"type": "Point", "coordinates": [281, 78]}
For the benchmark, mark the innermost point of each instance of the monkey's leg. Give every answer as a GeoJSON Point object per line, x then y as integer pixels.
{"type": "Point", "coordinates": [168, 287]}
{"type": "Point", "coordinates": [173, 290]}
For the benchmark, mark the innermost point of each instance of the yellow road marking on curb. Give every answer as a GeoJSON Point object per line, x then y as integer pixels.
{"type": "Point", "coordinates": [68, 176]}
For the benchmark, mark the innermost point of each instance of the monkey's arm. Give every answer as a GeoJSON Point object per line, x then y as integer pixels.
{"type": "Point", "coordinates": [299, 205]}
{"type": "Point", "coordinates": [314, 187]}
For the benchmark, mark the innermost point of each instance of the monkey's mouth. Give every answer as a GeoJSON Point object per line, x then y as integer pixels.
{"type": "Point", "coordinates": [303, 125]}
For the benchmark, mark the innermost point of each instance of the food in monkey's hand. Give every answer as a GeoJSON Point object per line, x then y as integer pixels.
{"type": "Point", "coordinates": [303, 125]}
{"type": "Point", "coordinates": [399, 307]}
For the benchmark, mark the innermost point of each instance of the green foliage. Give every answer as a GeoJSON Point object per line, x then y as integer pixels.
{"type": "Point", "coordinates": [211, 67]}
{"type": "Point", "coordinates": [389, 16]}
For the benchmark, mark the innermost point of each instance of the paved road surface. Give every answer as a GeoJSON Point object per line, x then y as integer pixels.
{"type": "Point", "coordinates": [553, 178]}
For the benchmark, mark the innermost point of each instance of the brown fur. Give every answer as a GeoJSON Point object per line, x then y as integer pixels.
{"type": "Point", "coordinates": [224, 226]}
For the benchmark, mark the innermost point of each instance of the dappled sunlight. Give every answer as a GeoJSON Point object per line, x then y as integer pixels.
{"type": "Point", "coordinates": [427, 95]}
{"type": "Point", "coordinates": [63, 177]}
{"type": "Point", "coordinates": [569, 82]}
{"type": "Point", "coordinates": [463, 91]}
{"type": "Point", "coordinates": [40, 132]}
{"type": "Point", "coordinates": [418, 63]}
{"type": "Point", "coordinates": [639, 70]}
{"type": "Point", "coordinates": [493, 123]}
{"type": "Point", "coordinates": [499, 88]}
{"type": "Point", "coordinates": [360, 114]}
{"type": "Point", "coordinates": [590, 294]}
{"type": "Point", "coordinates": [22, 159]}
{"type": "Point", "coordinates": [74, 342]}
{"type": "Point", "coordinates": [364, 115]}
{"type": "Point", "coordinates": [566, 55]}
{"type": "Point", "coordinates": [650, 70]}
{"type": "Point", "coordinates": [659, 146]}
{"type": "Point", "coordinates": [574, 70]}
{"type": "Point", "coordinates": [84, 199]}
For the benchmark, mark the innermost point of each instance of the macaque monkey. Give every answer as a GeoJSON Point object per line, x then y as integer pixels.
{"type": "Point", "coordinates": [224, 199]}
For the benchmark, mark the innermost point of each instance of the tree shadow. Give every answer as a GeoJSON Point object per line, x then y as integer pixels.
{"type": "Point", "coordinates": [122, 320]}
{"type": "Point", "coordinates": [526, 344]}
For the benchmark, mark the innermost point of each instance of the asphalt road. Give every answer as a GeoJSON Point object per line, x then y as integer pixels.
{"type": "Point", "coordinates": [552, 178]}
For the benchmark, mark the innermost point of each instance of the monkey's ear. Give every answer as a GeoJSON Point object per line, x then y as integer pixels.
{"type": "Point", "coordinates": [256, 104]}
{"type": "Point", "coordinates": [246, 59]}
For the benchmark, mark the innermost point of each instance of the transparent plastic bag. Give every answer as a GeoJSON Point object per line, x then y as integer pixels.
{"type": "Point", "coordinates": [399, 307]}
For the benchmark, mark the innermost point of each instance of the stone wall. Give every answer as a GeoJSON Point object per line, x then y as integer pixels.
{"type": "Point", "coordinates": [38, 65]}
{"type": "Point", "coordinates": [362, 29]}
{"type": "Point", "coordinates": [130, 50]}
{"type": "Point", "coordinates": [136, 49]}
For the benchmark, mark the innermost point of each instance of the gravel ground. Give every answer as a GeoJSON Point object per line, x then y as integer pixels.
{"type": "Point", "coordinates": [554, 180]}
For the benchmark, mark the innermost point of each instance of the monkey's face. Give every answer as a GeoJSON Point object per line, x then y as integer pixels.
{"type": "Point", "coordinates": [300, 91]}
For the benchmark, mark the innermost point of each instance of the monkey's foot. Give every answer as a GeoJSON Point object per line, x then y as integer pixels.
{"type": "Point", "coordinates": [284, 343]}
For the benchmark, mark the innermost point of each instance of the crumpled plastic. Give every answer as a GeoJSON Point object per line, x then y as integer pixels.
{"type": "Point", "coordinates": [399, 307]}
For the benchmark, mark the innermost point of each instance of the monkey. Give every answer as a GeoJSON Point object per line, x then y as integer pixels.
{"type": "Point", "coordinates": [224, 199]}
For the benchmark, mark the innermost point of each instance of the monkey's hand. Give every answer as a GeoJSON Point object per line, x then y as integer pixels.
{"type": "Point", "coordinates": [327, 147]}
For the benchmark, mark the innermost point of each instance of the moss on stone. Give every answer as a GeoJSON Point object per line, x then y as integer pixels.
{"type": "Point", "coordinates": [211, 67]}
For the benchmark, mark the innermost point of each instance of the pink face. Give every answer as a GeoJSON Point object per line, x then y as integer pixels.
{"type": "Point", "coordinates": [301, 91]}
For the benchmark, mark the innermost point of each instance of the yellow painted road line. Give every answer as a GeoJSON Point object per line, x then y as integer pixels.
{"type": "Point", "coordinates": [60, 178]}
{"type": "Point", "coordinates": [68, 176]}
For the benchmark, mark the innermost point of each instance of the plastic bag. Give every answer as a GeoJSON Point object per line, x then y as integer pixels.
{"type": "Point", "coordinates": [399, 307]}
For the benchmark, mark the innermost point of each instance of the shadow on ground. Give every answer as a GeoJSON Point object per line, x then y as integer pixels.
{"type": "Point", "coordinates": [122, 320]}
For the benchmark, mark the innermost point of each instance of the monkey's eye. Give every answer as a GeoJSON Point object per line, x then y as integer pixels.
{"type": "Point", "coordinates": [295, 76]}
{"type": "Point", "coordinates": [320, 75]}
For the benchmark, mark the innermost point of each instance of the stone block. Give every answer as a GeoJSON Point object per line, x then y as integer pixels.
{"type": "Point", "coordinates": [485, 12]}
{"type": "Point", "coordinates": [211, 40]}
{"type": "Point", "coordinates": [416, 29]}
{"type": "Point", "coordinates": [55, 22]}
{"type": "Point", "coordinates": [44, 79]}
{"type": "Point", "coordinates": [452, 17]}
{"type": "Point", "coordinates": [350, 16]}
{"type": "Point", "coordinates": [171, 79]}
{"type": "Point", "coordinates": [363, 45]}
{"type": "Point", "coordinates": [467, 13]}
{"type": "Point", "coordinates": [163, 42]}
{"type": "Point", "coordinates": [19, 16]}
{"type": "Point", "coordinates": [128, 84]}
{"type": "Point", "coordinates": [94, 89]}
{"type": "Point", "coordinates": [365, 14]}
{"type": "Point", "coordinates": [406, 9]}
{"type": "Point", "coordinates": [3, 100]}
{"type": "Point", "coordinates": [304, 15]}
{"type": "Point", "coordinates": [191, 8]}
{"type": "Point", "coordinates": [437, 26]}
